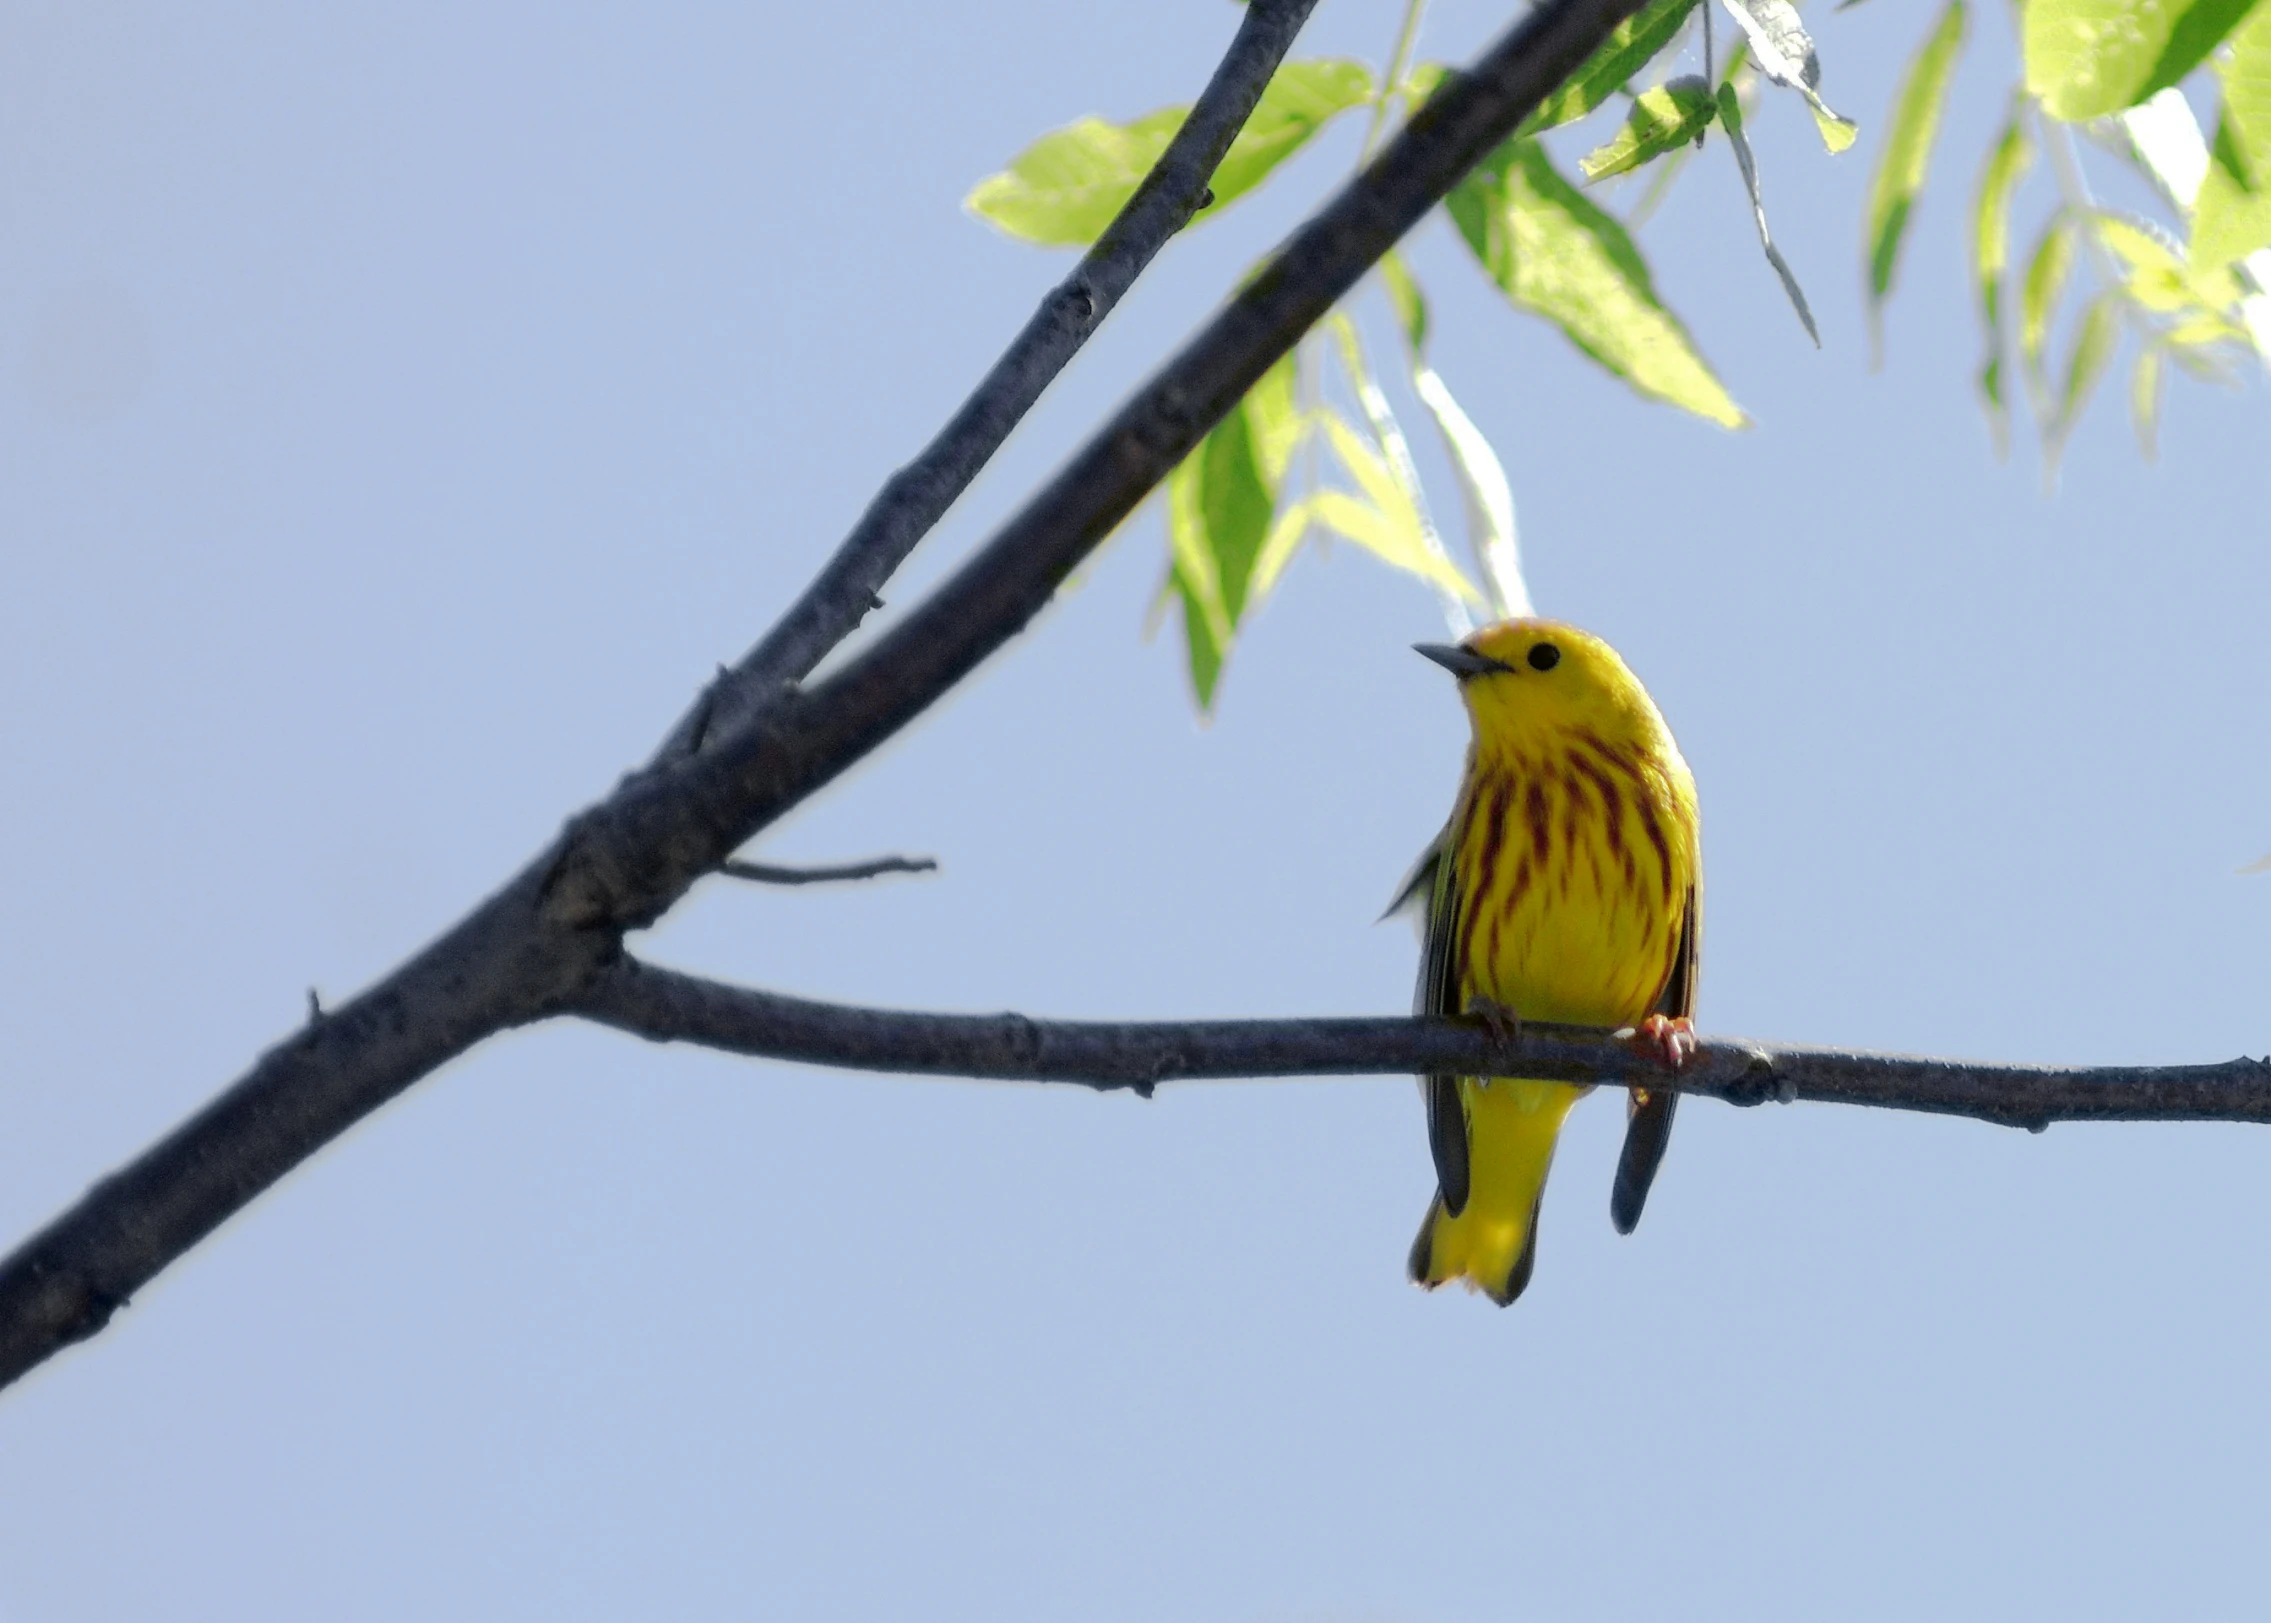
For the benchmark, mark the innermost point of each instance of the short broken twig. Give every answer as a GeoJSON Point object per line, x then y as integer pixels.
{"type": "Point", "coordinates": [770, 873]}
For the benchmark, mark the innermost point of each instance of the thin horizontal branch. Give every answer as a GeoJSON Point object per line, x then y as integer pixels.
{"type": "Point", "coordinates": [667, 1006]}
{"type": "Point", "coordinates": [915, 498]}
{"type": "Point", "coordinates": [773, 873]}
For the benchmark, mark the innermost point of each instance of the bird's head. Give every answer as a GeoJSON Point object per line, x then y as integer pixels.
{"type": "Point", "coordinates": [1526, 680]}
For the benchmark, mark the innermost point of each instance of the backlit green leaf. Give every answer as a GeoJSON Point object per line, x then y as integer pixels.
{"type": "Point", "coordinates": [1737, 57]}
{"type": "Point", "coordinates": [1423, 81]}
{"type": "Point", "coordinates": [1220, 503]}
{"type": "Point", "coordinates": [1552, 251]}
{"type": "Point", "coordinates": [2145, 401]}
{"type": "Point", "coordinates": [2093, 348]}
{"type": "Point", "coordinates": [1908, 150]}
{"type": "Point", "coordinates": [1396, 466]}
{"type": "Point", "coordinates": [2085, 365]}
{"type": "Point", "coordinates": [2087, 58]}
{"type": "Point", "coordinates": [1491, 535]}
{"type": "Point", "coordinates": [2040, 289]}
{"type": "Point", "coordinates": [1386, 533]}
{"type": "Point", "coordinates": [1205, 641]}
{"type": "Point", "coordinates": [1285, 538]}
{"type": "Point", "coordinates": [1836, 130]}
{"type": "Point", "coordinates": [1384, 519]}
{"type": "Point", "coordinates": [1064, 189]}
{"type": "Point", "coordinates": [2233, 218]}
{"type": "Point", "coordinates": [2156, 276]}
{"type": "Point", "coordinates": [2006, 162]}
{"type": "Point", "coordinates": [1669, 116]}
{"type": "Point", "coordinates": [1404, 293]}
{"type": "Point", "coordinates": [1633, 44]}
{"type": "Point", "coordinates": [1301, 99]}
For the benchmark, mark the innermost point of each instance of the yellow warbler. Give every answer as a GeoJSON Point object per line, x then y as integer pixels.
{"type": "Point", "coordinates": [1566, 887]}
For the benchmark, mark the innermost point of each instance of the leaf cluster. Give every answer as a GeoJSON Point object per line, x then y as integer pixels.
{"type": "Point", "coordinates": [1316, 450]}
{"type": "Point", "coordinates": [2184, 288]}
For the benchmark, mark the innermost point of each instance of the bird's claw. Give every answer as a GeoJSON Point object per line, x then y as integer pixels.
{"type": "Point", "coordinates": [1669, 1041]}
{"type": "Point", "coordinates": [1503, 1024]}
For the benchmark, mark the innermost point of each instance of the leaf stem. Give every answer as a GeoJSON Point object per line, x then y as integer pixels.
{"type": "Point", "coordinates": [1407, 36]}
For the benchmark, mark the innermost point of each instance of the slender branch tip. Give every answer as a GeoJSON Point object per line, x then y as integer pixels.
{"type": "Point", "coordinates": [769, 873]}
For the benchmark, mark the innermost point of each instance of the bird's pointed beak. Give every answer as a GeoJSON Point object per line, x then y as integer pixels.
{"type": "Point", "coordinates": [1460, 662]}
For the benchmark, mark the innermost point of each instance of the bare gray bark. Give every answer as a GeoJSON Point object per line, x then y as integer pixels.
{"type": "Point", "coordinates": [667, 1006]}
{"type": "Point", "coordinates": [527, 952]}
{"type": "Point", "coordinates": [774, 873]}
{"type": "Point", "coordinates": [914, 499]}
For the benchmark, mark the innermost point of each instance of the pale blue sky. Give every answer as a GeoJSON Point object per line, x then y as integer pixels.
{"type": "Point", "coordinates": [403, 409]}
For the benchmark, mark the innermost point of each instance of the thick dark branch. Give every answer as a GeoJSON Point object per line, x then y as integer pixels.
{"type": "Point", "coordinates": [916, 497]}
{"type": "Point", "coordinates": [637, 854]}
{"type": "Point", "coordinates": [667, 1006]}
{"type": "Point", "coordinates": [522, 954]}
{"type": "Point", "coordinates": [489, 972]}
{"type": "Point", "coordinates": [773, 873]}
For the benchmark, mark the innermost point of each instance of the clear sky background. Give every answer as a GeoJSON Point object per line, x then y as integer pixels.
{"type": "Point", "coordinates": [403, 408]}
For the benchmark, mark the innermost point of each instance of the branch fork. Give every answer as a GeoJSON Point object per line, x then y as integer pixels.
{"type": "Point", "coordinates": [763, 737]}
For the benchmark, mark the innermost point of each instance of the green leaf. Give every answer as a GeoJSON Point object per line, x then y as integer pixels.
{"type": "Point", "coordinates": [1386, 521]}
{"type": "Point", "coordinates": [1633, 44]}
{"type": "Point", "coordinates": [1738, 57]}
{"type": "Point", "coordinates": [2233, 217]}
{"type": "Point", "coordinates": [2157, 278]}
{"type": "Point", "coordinates": [2040, 289]}
{"type": "Point", "coordinates": [1837, 131]}
{"type": "Point", "coordinates": [1205, 640]}
{"type": "Point", "coordinates": [2203, 348]}
{"type": "Point", "coordinates": [1285, 538]}
{"type": "Point", "coordinates": [1908, 150]}
{"type": "Point", "coordinates": [1064, 189]}
{"type": "Point", "coordinates": [1400, 494]}
{"type": "Point", "coordinates": [1669, 116]}
{"type": "Point", "coordinates": [1991, 391]}
{"type": "Point", "coordinates": [1301, 100]}
{"type": "Point", "coordinates": [2087, 58]}
{"type": "Point", "coordinates": [1731, 120]}
{"type": "Point", "coordinates": [2085, 365]}
{"type": "Point", "coordinates": [1552, 251]}
{"type": "Point", "coordinates": [1274, 419]}
{"type": "Point", "coordinates": [1785, 54]}
{"type": "Point", "coordinates": [1424, 80]}
{"type": "Point", "coordinates": [2145, 401]}
{"type": "Point", "coordinates": [1491, 535]}
{"type": "Point", "coordinates": [2007, 162]}
{"type": "Point", "coordinates": [1404, 293]}
{"type": "Point", "coordinates": [1220, 502]}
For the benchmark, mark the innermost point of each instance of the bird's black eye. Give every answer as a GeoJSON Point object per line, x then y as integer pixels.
{"type": "Point", "coordinates": [1544, 656]}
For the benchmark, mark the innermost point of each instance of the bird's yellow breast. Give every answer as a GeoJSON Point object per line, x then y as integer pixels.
{"type": "Point", "coordinates": [1576, 852]}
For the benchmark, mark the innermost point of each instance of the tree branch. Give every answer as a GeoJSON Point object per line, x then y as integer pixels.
{"type": "Point", "coordinates": [667, 1006]}
{"type": "Point", "coordinates": [634, 856]}
{"type": "Point", "coordinates": [914, 499]}
{"type": "Point", "coordinates": [773, 873]}
{"type": "Point", "coordinates": [522, 954]}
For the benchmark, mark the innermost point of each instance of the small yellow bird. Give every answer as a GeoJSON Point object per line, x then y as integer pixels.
{"type": "Point", "coordinates": [1566, 887]}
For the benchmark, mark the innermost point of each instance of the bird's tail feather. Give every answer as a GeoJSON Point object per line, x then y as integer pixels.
{"type": "Point", "coordinates": [1492, 1244]}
